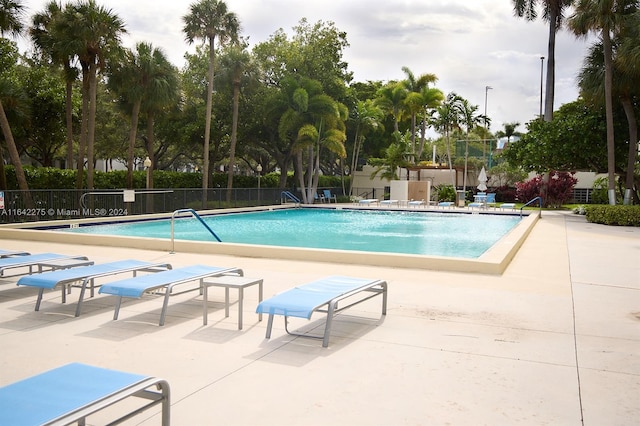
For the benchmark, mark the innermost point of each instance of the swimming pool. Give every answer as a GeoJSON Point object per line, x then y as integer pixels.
{"type": "Point", "coordinates": [404, 232]}
{"type": "Point", "coordinates": [494, 260]}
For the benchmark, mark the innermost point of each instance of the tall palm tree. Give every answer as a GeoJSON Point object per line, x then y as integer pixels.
{"type": "Point", "coordinates": [236, 64]}
{"type": "Point", "coordinates": [44, 39]}
{"type": "Point", "coordinates": [415, 102]}
{"type": "Point", "coordinates": [553, 13]}
{"type": "Point", "coordinates": [391, 98]}
{"type": "Point", "coordinates": [448, 119]}
{"type": "Point", "coordinates": [92, 33]}
{"type": "Point", "coordinates": [605, 17]}
{"type": "Point", "coordinates": [161, 92]}
{"type": "Point", "coordinates": [625, 82]}
{"type": "Point", "coordinates": [11, 12]}
{"type": "Point", "coordinates": [431, 99]}
{"type": "Point", "coordinates": [208, 20]}
{"type": "Point", "coordinates": [367, 116]}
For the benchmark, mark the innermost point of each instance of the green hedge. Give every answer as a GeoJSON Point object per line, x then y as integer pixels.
{"type": "Point", "coordinates": [54, 178]}
{"type": "Point", "coordinates": [613, 215]}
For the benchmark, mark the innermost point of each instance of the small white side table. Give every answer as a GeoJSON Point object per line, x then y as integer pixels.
{"type": "Point", "coordinates": [229, 281]}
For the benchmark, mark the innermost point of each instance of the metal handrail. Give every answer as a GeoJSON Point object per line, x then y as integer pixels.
{"type": "Point", "coordinates": [539, 199]}
{"type": "Point", "coordinates": [287, 194]}
{"type": "Point", "coordinates": [197, 216]}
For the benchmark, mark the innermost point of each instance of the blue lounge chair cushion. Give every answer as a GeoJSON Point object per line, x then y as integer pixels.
{"type": "Point", "coordinates": [135, 287]}
{"type": "Point", "coordinates": [31, 259]}
{"type": "Point", "coordinates": [49, 280]}
{"type": "Point", "coordinates": [47, 396]}
{"type": "Point", "coordinates": [301, 301]}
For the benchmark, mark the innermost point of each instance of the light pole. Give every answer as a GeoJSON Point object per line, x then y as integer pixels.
{"type": "Point", "coordinates": [259, 170]}
{"type": "Point", "coordinates": [484, 144]}
{"type": "Point", "coordinates": [541, 72]}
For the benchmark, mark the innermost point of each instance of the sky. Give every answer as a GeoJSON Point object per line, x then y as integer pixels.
{"type": "Point", "coordinates": [467, 44]}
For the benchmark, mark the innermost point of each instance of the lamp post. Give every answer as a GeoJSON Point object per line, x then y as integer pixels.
{"type": "Point", "coordinates": [259, 170]}
{"type": "Point", "coordinates": [541, 72]}
{"type": "Point", "coordinates": [484, 144]}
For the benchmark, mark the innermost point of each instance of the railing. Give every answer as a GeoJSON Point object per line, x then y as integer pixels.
{"type": "Point", "coordinates": [284, 195]}
{"type": "Point", "coordinates": [538, 199]}
{"type": "Point", "coordinates": [197, 216]}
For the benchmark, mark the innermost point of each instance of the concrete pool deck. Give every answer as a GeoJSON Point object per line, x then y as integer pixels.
{"type": "Point", "coordinates": [554, 340]}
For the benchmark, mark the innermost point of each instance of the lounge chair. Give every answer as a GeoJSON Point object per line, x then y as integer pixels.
{"type": "Point", "coordinates": [416, 203]}
{"type": "Point", "coordinates": [163, 281]}
{"type": "Point", "coordinates": [368, 201]}
{"type": "Point", "coordinates": [491, 199]}
{"type": "Point", "coordinates": [449, 204]}
{"type": "Point", "coordinates": [11, 253]}
{"type": "Point", "coordinates": [508, 206]}
{"type": "Point", "coordinates": [321, 296]}
{"type": "Point", "coordinates": [390, 202]}
{"type": "Point", "coordinates": [328, 196]}
{"type": "Point", "coordinates": [71, 393]}
{"type": "Point", "coordinates": [86, 275]}
{"type": "Point", "coordinates": [32, 260]}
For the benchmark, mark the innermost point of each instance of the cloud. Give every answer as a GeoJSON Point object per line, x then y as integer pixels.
{"type": "Point", "coordinates": [467, 44]}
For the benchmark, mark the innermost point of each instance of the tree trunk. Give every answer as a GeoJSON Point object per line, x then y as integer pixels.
{"type": "Point", "coordinates": [69, 119]}
{"type": "Point", "coordinates": [132, 142]}
{"type": "Point", "coordinates": [15, 158]}
{"type": "Point", "coordinates": [83, 127]}
{"type": "Point", "coordinates": [633, 148]}
{"type": "Point", "coordinates": [551, 66]}
{"type": "Point", "coordinates": [234, 137]}
{"type": "Point", "coordinates": [608, 103]}
{"type": "Point", "coordinates": [91, 129]}
{"type": "Point", "coordinates": [207, 124]}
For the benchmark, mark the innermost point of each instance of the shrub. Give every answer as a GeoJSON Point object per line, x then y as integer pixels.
{"type": "Point", "coordinates": [445, 192]}
{"type": "Point", "coordinates": [558, 189]}
{"type": "Point", "coordinates": [613, 215]}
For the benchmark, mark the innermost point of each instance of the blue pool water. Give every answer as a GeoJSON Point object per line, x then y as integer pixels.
{"type": "Point", "coordinates": [424, 233]}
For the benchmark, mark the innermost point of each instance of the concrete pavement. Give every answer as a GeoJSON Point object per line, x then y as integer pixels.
{"type": "Point", "coordinates": [553, 340]}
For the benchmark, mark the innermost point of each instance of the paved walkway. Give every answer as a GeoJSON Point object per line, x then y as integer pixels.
{"type": "Point", "coordinates": [554, 340]}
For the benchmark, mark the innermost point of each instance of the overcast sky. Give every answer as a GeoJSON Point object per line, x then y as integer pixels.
{"type": "Point", "coordinates": [467, 44]}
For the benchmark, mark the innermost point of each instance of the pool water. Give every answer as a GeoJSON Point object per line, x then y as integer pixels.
{"type": "Point", "coordinates": [423, 233]}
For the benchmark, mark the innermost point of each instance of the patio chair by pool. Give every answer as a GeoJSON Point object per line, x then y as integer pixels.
{"type": "Point", "coordinates": [86, 276]}
{"type": "Point", "coordinates": [390, 202]}
{"type": "Point", "coordinates": [449, 204]}
{"type": "Point", "coordinates": [322, 296]}
{"type": "Point", "coordinates": [508, 206]}
{"type": "Point", "coordinates": [163, 282]}
{"type": "Point", "coordinates": [33, 260]}
{"type": "Point", "coordinates": [73, 392]}
{"type": "Point", "coordinates": [491, 199]}
{"type": "Point", "coordinates": [328, 196]}
{"type": "Point", "coordinates": [11, 253]}
{"type": "Point", "coordinates": [368, 201]}
{"type": "Point", "coordinates": [417, 203]}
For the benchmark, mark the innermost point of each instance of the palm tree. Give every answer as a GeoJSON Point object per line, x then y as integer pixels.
{"type": "Point", "coordinates": [208, 20]}
{"type": "Point", "coordinates": [431, 99]}
{"type": "Point", "coordinates": [391, 98]}
{"type": "Point", "coordinates": [10, 13]}
{"type": "Point", "coordinates": [448, 119]}
{"type": "Point", "coordinates": [625, 82]}
{"type": "Point", "coordinates": [236, 63]}
{"type": "Point", "coordinates": [92, 33]}
{"type": "Point", "coordinates": [553, 13]}
{"type": "Point", "coordinates": [43, 39]}
{"type": "Point", "coordinates": [415, 102]}
{"type": "Point", "coordinates": [605, 17]}
{"type": "Point", "coordinates": [367, 116]}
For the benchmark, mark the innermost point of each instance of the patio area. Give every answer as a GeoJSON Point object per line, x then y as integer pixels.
{"type": "Point", "coordinates": [553, 340]}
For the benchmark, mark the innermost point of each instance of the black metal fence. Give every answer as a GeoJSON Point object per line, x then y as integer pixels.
{"type": "Point", "coordinates": [73, 204]}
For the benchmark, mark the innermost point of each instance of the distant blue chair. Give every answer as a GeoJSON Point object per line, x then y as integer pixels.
{"type": "Point", "coordinates": [328, 196]}
{"type": "Point", "coordinates": [491, 199]}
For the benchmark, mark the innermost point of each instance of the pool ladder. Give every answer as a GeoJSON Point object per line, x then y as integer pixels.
{"type": "Point", "coordinates": [197, 216]}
